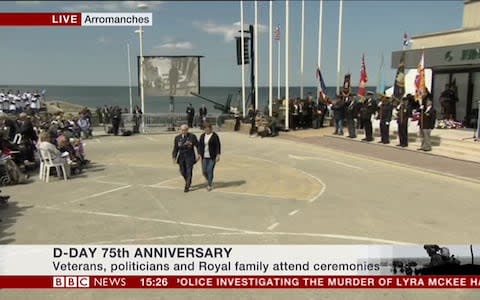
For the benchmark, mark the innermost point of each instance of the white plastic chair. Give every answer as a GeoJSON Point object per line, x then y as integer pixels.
{"type": "Point", "coordinates": [42, 172]}
{"type": "Point", "coordinates": [48, 163]}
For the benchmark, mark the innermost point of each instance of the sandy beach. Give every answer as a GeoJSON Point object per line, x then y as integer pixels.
{"type": "Point", "coordinates": [54, 106]}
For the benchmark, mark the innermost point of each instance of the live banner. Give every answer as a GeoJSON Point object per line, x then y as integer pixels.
{"type": "Point", "coordinates": [238, 266]}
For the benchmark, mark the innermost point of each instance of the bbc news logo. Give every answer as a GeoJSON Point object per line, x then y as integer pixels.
{"type": "Point", "coordinates": [71, 282]}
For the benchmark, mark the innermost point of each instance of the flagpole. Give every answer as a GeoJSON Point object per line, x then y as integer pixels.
{"type": "Point", "coordinates": [279, 68]}
{"type": "Point", "coordinates": [287, 94]}
{"type": "Point", "coordinates": [319, 60]}
{"type": "Point", "coordinates": [270, 44]}
{"type": "Point", "coordinates": [256, 54]}
{"type": "Point", "coordinates": [129, 79]}
{"type": "Point", "coordinates": [380, 88]}
{"type": "Point", "coordinates": [242, 37]}
{"type": "Point", "coordinates": [339, 47]}
{"type": "Point", "coordinates": [302, 40]}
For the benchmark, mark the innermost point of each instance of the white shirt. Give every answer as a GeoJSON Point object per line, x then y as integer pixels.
{"type": "Point", "coordinates": [206, 154]}
{"type": "Point", "coordinates": [49, 147]}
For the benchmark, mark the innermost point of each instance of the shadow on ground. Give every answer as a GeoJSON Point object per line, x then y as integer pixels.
{"type": "Point", "coordinates": [219, 184]}
{"type": "Point", "coordinates": [9, 214]}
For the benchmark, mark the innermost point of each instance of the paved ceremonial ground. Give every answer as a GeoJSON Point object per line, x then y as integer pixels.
{"type": "Point", "coordinates": [266, 191]}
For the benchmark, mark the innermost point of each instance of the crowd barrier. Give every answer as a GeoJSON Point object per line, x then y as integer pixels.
{"type": "Point", "coordinates": [162, 120]}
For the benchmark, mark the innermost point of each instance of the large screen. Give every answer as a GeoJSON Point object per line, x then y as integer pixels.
{"type": "Point", "coordinates": [171, 75]}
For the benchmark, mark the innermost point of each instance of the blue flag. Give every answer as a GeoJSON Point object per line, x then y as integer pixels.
{"type": "Point", "coordinates": [323, 87]}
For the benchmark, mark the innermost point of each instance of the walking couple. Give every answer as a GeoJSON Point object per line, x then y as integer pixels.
{"type": "Point", "coordinates": [187, 151]}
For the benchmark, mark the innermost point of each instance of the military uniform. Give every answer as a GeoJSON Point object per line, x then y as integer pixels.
{"type": "Point", "coordinates": [184, 154]}
{"type": "Point", "coordinates": [404, 112]}
{"type": "Point", "coordinates": [385, 117]}
{"type": "Point", "coordinates": [368, 108]}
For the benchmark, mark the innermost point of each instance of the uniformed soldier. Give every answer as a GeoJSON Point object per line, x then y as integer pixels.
{"type": "Point", "coordinates": [404, 112]}
{"type": "Point", "coordinates": [184, 154]}
{"type": "Point", "coordinates": [367, 109]}
{"type": "Point", "coordinates": [385, 117]}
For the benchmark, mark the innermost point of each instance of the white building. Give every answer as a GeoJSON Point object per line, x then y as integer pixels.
{"type": "Point", "coordinates": [453, 56]}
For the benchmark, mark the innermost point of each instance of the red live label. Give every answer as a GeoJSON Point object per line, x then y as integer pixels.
{"type": "Point", "coordinates": [40, 19]}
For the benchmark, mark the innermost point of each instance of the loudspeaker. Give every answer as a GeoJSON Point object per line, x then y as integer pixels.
{"type": "Point", "coordinates": [245, 50]}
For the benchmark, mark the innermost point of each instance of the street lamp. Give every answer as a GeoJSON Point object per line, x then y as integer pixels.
{"type": "Point", "coordinates": [142, 95]}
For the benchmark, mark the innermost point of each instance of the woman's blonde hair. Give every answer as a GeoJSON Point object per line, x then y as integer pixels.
{"type": "Point", "coordinates": [44, 136]}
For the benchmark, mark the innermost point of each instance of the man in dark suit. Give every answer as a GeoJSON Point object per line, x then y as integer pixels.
{"type": "Point", "coordinates": [184, 154]}
{"type": "Point", "coordinates": [29, 137]}
{"type": "Point", "coordinates": [369, 107]}
{"type": "Point", "coordinates": [190, 114]}
{"type": "Point", "coordinates": [404, 112]}
{"type": "Point", "coordinates": [116, 119]}
{"type": "Point", "coordinates": [351, 114]}
{"type": "Point", "coordinates": [427, 123]}
{"type": "Point", "coordinates": [209, 149]}
{"type": "Point", "coordinates": [339, 115]}
{"type": "Point", "coordinates": [385, 117]}
{"type": "Point", "coordinates": [203, 115]}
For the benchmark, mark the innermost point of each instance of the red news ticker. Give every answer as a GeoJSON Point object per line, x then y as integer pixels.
{"type": "Point", "coordinates": [40, 19]}
{"type": "Point", "coordinates": [245, 282]}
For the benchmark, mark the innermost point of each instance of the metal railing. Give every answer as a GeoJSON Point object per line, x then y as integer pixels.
{"type": "Point", "coordinates": [161, 120]}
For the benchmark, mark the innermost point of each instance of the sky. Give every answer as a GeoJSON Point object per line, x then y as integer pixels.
{"type": "Point", "coordinates": [98, 55]}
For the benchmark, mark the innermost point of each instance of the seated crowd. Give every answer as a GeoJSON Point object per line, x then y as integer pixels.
{"type": "Point", "coordinates": [23, 140]}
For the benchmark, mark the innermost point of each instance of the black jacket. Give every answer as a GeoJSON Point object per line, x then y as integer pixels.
{"type": "Point", "coordinates": [202, 111]}
{"type": "Point", "coordinates": [183, 148]}
{"type": "Point", "coordinates": [368, 108]}
{"type": "Point", "coordinates": [214, 146]}
{"type": "Point", "coordinates": [404, 112]}
{"type": "Point", "coordinates": [27, 131]}
{"type": "Point", "coordinates": [339, 110]}
{"type": "Point", "coordinates": [352, 109]}
{"type": "Point", "coordinates": [190, 112]}
{"type": "Point", "coordinates": [385, 112]}
{"type": "Point", "coordinates": [428, 118]}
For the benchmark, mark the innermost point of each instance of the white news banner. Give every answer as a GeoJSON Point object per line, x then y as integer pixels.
{"type": "Point", "coordinates": [270, 260]}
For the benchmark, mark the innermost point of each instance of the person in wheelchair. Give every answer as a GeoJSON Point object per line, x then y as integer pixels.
{"type": "Point", "coordinates": [268, 126]}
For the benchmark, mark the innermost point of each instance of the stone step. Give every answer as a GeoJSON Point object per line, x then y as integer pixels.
{"type": "Point", "coordinates": [451, 151]}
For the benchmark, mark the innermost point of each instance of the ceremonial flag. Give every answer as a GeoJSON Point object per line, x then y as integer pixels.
{"type": "Point", "coordinates": [381, 77]}
{"type": "Point", "coordinates": [399, 86]}
{"type": "Point", "coordinates": [346, 84]}
{"type": "Point", "coordinates": [276, 33]}
{"type": "Point", "coordinates": [406, 41]}
{"type": "Point", "coordinates": [420, 79]}
{"type": "Point", "coordinates": [363, 78]}
{"type": "Point", "coordinates": [323, 86]}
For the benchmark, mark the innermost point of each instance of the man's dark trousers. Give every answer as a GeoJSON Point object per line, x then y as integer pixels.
{"type": "Point", "coordinates": [186, 169]}
{"type": "Point", "coordinates": [403, 134]}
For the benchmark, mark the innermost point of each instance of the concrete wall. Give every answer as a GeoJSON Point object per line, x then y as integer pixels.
{"type": "Point", "coordinates": [446, 39]}
{"type": "Point", "coordinates": [471, 11]}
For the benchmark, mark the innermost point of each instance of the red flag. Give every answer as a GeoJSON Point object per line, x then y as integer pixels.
{"type": "Point", "coordinates": [363, 78]}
